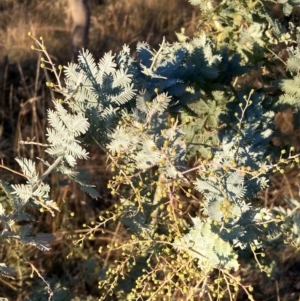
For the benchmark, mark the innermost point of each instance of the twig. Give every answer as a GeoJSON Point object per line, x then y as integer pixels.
{"type": "Point", "coordinates": [12, 171]}
{"type": "Point", "coordinates": [49, 290]}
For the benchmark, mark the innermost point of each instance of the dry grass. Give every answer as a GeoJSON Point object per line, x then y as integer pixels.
{"type": "Point", "coordinates": [121, 22]}
{"type": "Point", "coordinates": [112, 24]}
{"type": "Point", "coordinates": [46, 18]}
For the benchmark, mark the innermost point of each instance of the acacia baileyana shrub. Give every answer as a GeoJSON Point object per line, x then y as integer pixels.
{"type": "Point", "coordinates": [190, 150]}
